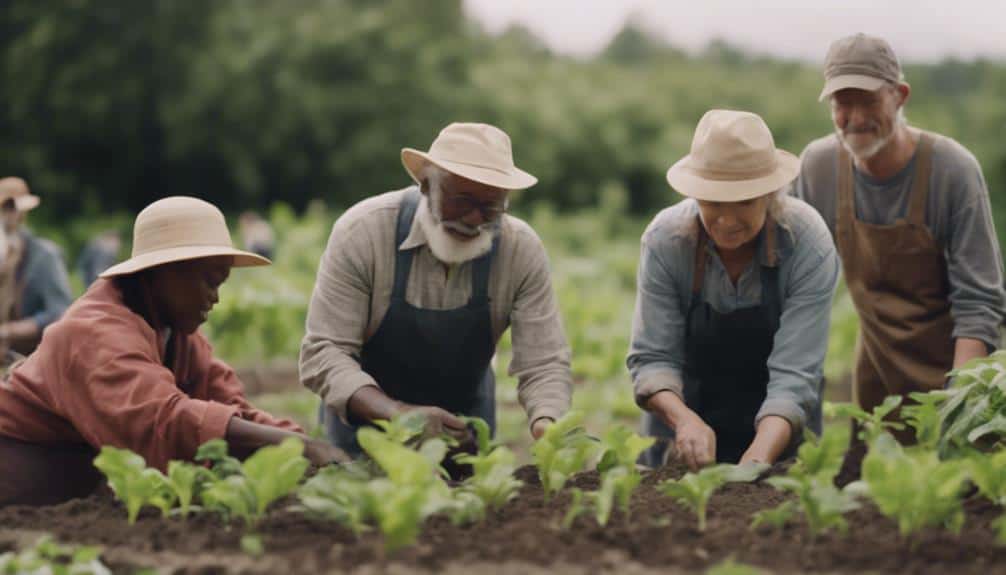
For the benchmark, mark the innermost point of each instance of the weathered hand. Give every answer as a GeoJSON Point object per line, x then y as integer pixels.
{"type": "Point", "coordinates": [322, 453]}
{"type": "Point", "coordinates": [695, 442]}
{"type": "Point", "coordinates": [440, 422]}
{"type": "Point", "coordinates": [539, 426]}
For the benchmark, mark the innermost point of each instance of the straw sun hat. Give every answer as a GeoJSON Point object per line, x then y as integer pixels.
{"type": "Point", "coordinates": [478, 152]}
{"type": "Point", "coordinates": [733, 158]}
{"type": "Point", "coordinates": [17, 189]}
{"type": "Point", "coordinates": [180, 228]}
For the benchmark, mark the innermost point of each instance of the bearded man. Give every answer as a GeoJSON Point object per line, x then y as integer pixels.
{"type": "Point", "coordinates": [909, 211]}
{"type": "Point", "coordinates": [415, 288]}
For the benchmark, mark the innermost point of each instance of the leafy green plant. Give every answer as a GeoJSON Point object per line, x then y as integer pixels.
{"type": "Point", "coordinates": [1000, 526]}
{"type": "Point", "coordinates": [913, 487]}
{"type": "Point", "coordinates": [694, 489]}
{"type": "Point", "coordinates": [619, 476]}
{"type": "Point", "coordinates": [564, 449]}
{"type": "Point", "coordinates": [492, 479]}
{"type": "Point", "coordinates": [47, 557]}
{"type": "Point", "coordinates": [821, 456]}
{"type": "Point", "coordinates": [988, 473]}
{"type": "Point", "coordinates": [214, 453]}
{"type": "Point", "coordinates": [186, 482]}
{"type": "Point", "coordinates": [133, 482]}
{"type": "Point", "coordinates": [730, 567]}
{"type": "Point", "coordinates": [269, 474]}
{"type": "Point", "coordinates": [973, 411]}
{"type": "Point", "coordinates": [823, 505]}
{"type": "Point", "coordinates": [339, 492]}
{"type": "Point", "coordinates": [403, 428]}
{"type": "Point", "coordinates": [776, 517]}
{"type": "Point", "coordinates": [873, 423]}
{"type": "Point", "coordinates": [923, 416]}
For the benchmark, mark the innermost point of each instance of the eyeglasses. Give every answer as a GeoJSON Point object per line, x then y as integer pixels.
{"type": "Point", "coordinates": [490, 210]}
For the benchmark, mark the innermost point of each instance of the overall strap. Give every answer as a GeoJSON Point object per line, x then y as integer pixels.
{"type": "Point", "coordinates": [699, 271]}
{"type": "Point", "coordinates": [403, 258]}
{"type": "Point", "coordinates": [846, 212]}
{"type": "Point", "coordinates": [480, 273]}
{"type": "Point", "coordinates": [920, 181]}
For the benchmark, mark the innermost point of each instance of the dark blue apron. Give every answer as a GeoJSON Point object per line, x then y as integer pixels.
{"type": "Point", "coordinates": [726, 363]}
{"type": "Point", "coordinates": [429, 357]}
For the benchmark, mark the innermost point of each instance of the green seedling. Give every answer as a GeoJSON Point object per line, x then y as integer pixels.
{"type": "Point", "coordinates": [269, 474]}
{"type": "Point", "coordinates": [988, 473]}
{"type": "Point", "coordinates": [823, 505]}
{"type": "Point", "coordinates": [492, 480]}
{"type": "Point", "coordinates": [47, 557]}
{"type": "Point", "coordinates": [133, 482]}
{"type": "Point", "coordinates": [694, 489]}
{"type": "Point", "coordinates": [923, 416]}
{"type": "Point", "coordinates": [913, 487]}
{"type": "Point", "coordinates": [873, 423]}
{"type": "Point", "coordinates": [973, 411]}
{"type": "Point", "coordinates": [777, 517]}
{"type": "Point", "coordinates": [564, 449]}
{"type": "Point", "coordinates": [187, 481]}
{"type": "Point", "coordinates": [821, 456]}
{"type": "Point", "coordinates": [214, 453]}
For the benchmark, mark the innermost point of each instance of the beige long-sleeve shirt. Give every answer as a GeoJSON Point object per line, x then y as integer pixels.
{"type": "Point", "coordinates": [353, 291]}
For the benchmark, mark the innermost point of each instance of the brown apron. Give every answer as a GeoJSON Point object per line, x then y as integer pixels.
{"type": "Point", "coordinates": [897, 277]}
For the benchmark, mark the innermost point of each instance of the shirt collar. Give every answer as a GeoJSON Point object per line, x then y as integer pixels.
{"type": "Point", "coordinates": [416, 237]}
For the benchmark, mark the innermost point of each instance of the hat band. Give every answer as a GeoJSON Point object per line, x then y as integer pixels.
{"type": "Point", "coordinates": [504, 171]}
{"type": "Point", "coordinates": [732, 175]}
{"type": "Point", "coordinates": [858, 69]}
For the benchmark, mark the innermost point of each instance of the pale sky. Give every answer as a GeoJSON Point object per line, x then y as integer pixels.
{"type": "Point", "coordinates": [919, 30]}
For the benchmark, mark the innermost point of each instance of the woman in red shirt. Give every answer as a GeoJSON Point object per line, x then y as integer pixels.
{"type": "Point", "coordinates": [126, 367]}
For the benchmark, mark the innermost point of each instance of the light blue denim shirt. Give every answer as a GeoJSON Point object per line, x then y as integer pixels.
{"type": "Point", "coordinates": [808, 273]}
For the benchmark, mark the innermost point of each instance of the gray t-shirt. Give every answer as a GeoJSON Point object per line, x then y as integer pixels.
{"type": "Point", "coordinates": [957, 214]}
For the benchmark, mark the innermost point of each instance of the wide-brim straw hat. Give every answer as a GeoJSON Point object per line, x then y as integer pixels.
{"type": "Point", "coordinates": [733, 158]}
{"type": "Point", "coordinates": [180, 228]}
{"type": "Point", "coordinates": [17, 189]}
{"type": "Point", "coordinates": [478, 152]}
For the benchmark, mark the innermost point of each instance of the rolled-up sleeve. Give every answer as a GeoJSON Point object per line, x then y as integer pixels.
{"type": "Point", "coordinates": [974, 262]}
{"type": "Point", "coordinates": [796, 363]}
{"type": "Point", "coordinates": [337, 318]}
{"type": "Point", "coordinates": [656, 351]}
{"type": "Point", "coordinates": [128, 400]}
{"type": "Point", "coordinates": [541, 355]}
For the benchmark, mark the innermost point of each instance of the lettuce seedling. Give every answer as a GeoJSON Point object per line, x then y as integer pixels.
{"type": "Point", "coordinates": [49, 557]}
{"type": "Point", "coordinates": [974, 410]}
{"type": "Point", "coordinates": [776, 517]}
{"type": "Point", "coordinates": [821, 456]}
{"type": "Point", "coordinates": [1000, 526]}
{"type": "Point", "coordinates": [873, 423]}
{"type": "Point", "coordinates": [913, 487]}
{"type": "Point", "coordinates": [564, 449]}
{"type": "Point", "coordinates": [187, 481]}
{"type": "Point", "coordinates": [988, 473]}
{"type": "Point", "coordinates": [492, 479]}
{"type": "Point", "coordinates": [403, 429]}
{"type": "Point", "coordinates": [270, 473]}
{"type": "Point", "coordinates": [339, 493]}
{"type": "Point", "coordinates": [132, 481]}
{"type": "Point", "coordinates": [822, 503]}
{"type": "Point", "coordinates": [923, 416]}
{"type": "Point", "coordinates": [576, 508]}
{"type": "Point", "coordinates": [694, 489]}
{"type": "Point", "coordinates": [214, 453]}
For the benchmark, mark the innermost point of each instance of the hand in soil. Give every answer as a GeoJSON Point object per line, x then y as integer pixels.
{"type": "Point", "coordinates": [442, 422]}
{"type": "Point", "coordinates": [695, 442]}
{"type": "Point", "coordinates": [321, 453]}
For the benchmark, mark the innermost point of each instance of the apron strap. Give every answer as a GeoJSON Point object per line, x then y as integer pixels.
{"type": "Point", "coordinates": [480, 274]}
{"type": "Point", "coordinates": [403, 258]}
{"type": "Point", "coordinates": [699, 271]}
{"type": "Point", "coordinates": [920, 181]}
{"type": "Point", "coordinates": [846, 213]}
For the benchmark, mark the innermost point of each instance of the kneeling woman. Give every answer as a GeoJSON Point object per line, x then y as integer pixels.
{"type": "Point", "coordinates": [126, 367]}
{"type": "Point", "coordinates": [734, 294]}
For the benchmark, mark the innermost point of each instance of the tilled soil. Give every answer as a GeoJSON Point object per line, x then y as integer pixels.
{"type": "Point", "coordinates": [659, 536]}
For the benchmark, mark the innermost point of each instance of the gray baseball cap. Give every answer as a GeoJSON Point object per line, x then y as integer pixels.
{"type": "Point", "coordinates": [859, 61]}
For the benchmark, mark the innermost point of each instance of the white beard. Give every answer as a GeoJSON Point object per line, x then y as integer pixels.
{"type": "Point", "coordinates": [865, 153]}
{"type": "Point", "coordinates": [444, 246]}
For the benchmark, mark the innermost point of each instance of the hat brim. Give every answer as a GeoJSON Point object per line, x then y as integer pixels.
{"type": "Point", "coordinates": [516, 179]}
{"type": "Point", "coordinates": [25, 203]}
{"type": "Point", "coordinates": [177, 254]}
{"type": "Point", "coordinates": [689, 183]}
{"type": "Point", "coordinates": [846, 81]}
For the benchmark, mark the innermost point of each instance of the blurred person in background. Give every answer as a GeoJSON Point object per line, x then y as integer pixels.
{"type": "Point", "coordinates": [909, 212]}
{"type": "Point", "coordinates": [34, 287]}
{"type": "Point", "coordinates": [733, 303]}
{"type": "Point", "coordinates": [415, 288]}
{"type": "Point", "coordinates": [98, 255]}
{"type": "Point", "coordinates": [126, 366]}
{"type": "Point", "coordinates": [256, 234]}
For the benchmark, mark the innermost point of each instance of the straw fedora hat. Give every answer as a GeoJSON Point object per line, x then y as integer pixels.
{"type": "Point", "coordinates": [733, 158]}
{"type": "Point", "coordinates": [17, 189]}
{"type": "Point", "coordinates": [180, 228]}
{"type": "Point", "coordinates": [478, 152]}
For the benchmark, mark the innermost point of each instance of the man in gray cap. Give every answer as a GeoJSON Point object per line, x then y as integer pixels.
{"type": "Point", "coordinates": [910, 214]}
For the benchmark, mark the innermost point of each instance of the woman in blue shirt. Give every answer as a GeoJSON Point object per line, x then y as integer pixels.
{"type": "Point", "coordinates": [733, 303]}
